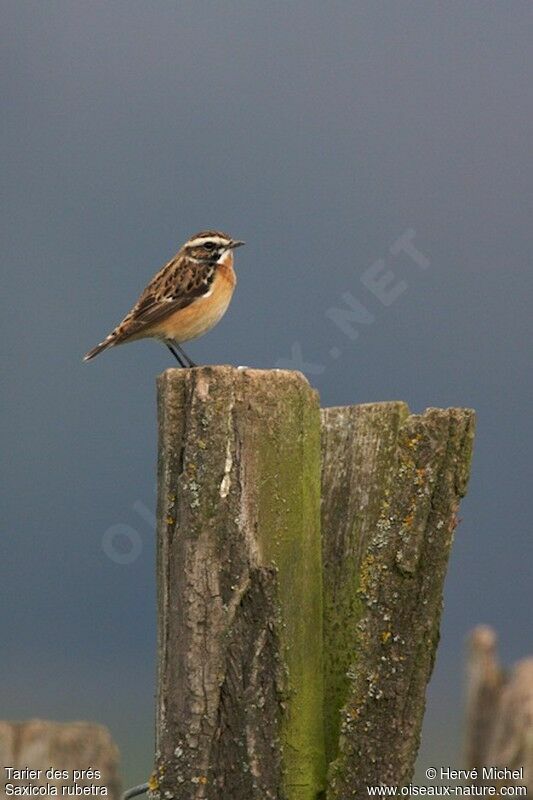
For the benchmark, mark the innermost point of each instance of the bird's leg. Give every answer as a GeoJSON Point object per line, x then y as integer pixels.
{"type": "Point", "coordinates": [184, 355]}
{"type": "Point", "coordinates": [176, 356]}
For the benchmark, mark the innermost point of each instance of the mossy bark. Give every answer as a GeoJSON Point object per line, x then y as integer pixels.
{"type": "Point", "coordinates": [240, 698]}
{"type": "Point", "coordinates": [391, 484]}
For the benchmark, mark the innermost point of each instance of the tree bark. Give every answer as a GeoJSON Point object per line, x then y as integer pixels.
{"type": "Point", "coordinates": [39, 744]}
{"type": "Point", "coordinates": [240, 694]}
{"type": "Point", "coordinates": [391, 484]}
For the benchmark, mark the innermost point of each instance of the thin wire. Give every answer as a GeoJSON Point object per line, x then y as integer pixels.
{"type": "Point", "coordinates": [142, 788]}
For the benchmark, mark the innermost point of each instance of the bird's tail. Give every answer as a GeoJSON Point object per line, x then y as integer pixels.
{"type": "Point", "coordinates": [109, 341]}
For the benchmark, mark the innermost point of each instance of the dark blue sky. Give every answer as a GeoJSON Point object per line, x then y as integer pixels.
{"type": "Point", "coordinates": [320, 133]}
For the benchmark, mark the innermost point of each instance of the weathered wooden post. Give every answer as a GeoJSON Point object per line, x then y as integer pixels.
{"type": "Point", "coordinates": [391, 484]}
{"type": "Point", "coordinates": [239, 709]}
{"type": "Point", "coordinates": [485, 681]}
{"type": "Point", "coordinates": [242, 663]}
{"type": "Point", "coordinates": [499, 717]}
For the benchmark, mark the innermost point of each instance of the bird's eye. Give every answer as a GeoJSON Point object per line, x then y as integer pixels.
{"type": "Point", "coordinates": [209, 245]}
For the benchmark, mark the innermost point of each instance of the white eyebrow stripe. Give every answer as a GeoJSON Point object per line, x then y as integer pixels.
{"type": "Point", "coordinates": [203, 239]}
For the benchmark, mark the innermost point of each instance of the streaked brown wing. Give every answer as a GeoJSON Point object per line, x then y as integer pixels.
{"type": "Point", "coordinates": [176, 286]}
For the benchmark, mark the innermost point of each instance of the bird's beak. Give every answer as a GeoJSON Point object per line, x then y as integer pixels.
{"type": "Point", "coordinates": [236, 243]}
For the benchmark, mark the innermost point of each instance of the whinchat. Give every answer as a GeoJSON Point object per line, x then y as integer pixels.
{"type": "Point", "coordinates": [186, 298]}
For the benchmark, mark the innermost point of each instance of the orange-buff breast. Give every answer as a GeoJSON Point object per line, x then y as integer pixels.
{"type": "Point", "coordinates": [202, 314]}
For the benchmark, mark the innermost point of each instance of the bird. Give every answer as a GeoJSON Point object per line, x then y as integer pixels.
{"type": "Point", "coordinates": [184, 300]}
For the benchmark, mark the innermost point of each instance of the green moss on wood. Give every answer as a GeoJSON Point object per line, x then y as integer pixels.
{"type": "Point", "coordinates": [288, 475]}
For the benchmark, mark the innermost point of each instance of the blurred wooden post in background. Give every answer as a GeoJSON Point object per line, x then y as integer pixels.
{"type": "Point", "coordinates": [241, 659]}
{"type": "Point", "coordinates": [499, 714]}
{"type": "Point", "coordinates": [40, 744]}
